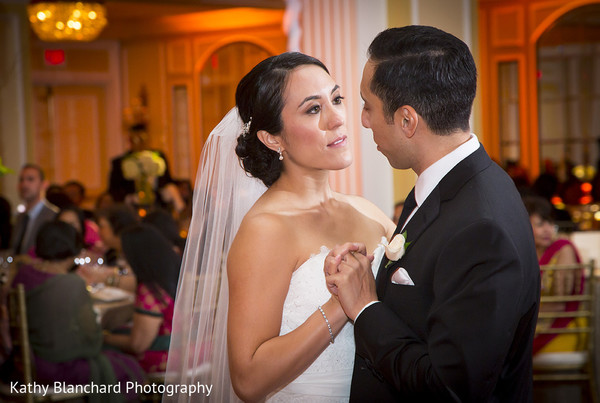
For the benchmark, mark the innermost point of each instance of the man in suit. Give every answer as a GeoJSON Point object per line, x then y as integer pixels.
{"type": "Point", "coordinates": [453, 317]}
{"type": "Point", "coordinates": [38, 210]}
{"type": "Point", "coordinates": [121, 188]}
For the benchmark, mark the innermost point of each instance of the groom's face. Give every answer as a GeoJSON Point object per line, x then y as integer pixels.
{"type": "Point", "coordinates": [385, 134]}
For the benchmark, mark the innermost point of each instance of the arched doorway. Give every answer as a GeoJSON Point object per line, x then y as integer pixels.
{"type": "Point", "coordinates": [219, 77]}
{"type": "Point", "coordinates": [568, 60]}
{"type": "Point", "coordinates": [509, 34]}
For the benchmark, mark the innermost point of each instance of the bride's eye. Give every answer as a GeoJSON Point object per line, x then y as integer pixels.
{"type": "Point", "coordinates": [338, 100]}
{"type": "Point", "coordinates": [314, 109]}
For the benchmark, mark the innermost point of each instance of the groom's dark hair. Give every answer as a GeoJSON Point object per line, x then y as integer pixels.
{"type": "Point", "coordinates": [428, 69]}
{"type": "Point", "coordinates": [259, 98]}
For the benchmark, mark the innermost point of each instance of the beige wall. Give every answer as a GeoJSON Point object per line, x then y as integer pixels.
{"type": "Point", "coordinates": [399, 14]}
{"type": "Point", "coordinates": [377, 175]}
{"type": "Point", "coordinates": [15, 113]}
{"type": "Point", "coordinates": [458, 17]}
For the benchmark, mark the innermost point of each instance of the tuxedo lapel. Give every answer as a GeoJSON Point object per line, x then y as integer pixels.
{"type": "Point", "coordinates": [419, 222]}
{"type": "Point", "coordinates": [430, 209]}
{"type": "Point", "coordinates": [409, 205]}
{"type": "Point", "coordinates": [424, 216]}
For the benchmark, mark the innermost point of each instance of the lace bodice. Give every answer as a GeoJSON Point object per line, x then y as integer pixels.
{"type": "Point", "coordinates": [328, 378]}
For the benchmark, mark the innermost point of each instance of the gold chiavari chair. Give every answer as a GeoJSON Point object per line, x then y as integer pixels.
{"type": "Point", "coordinates": [569, 366]}
{"type": "Point", "coordinates": [22, 354]}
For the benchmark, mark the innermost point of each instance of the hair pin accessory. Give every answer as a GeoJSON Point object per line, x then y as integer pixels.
{"type": "Point", "coordinates": [246, 128]}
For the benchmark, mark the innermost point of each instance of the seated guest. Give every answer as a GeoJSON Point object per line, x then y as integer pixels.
{"type": "Point", "coordinates": [115, 271]}
{"type": "Point", "coordinates": [31, 187]}
{"type": "Point", "coordinates": [56, 195]}
{"type": "Point", "coordinates": [156, 266]}
{"type": "Point", "coordinates": [164, 222]}
{"type": "Point", "coordinates": [87, 229]}
{"type": "Point", "coordinates": [63, 330]}
{"type": "Point", "coordinates": [103, 201]}
{"type": "Point", "coordinates": [75, 191]}
{"type": "Point", "coordinates": [554, 250]}
{"type": "Point", "coordinates": [187, 195]}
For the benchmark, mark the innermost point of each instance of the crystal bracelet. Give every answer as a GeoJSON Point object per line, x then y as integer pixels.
{"type": "Point", "coordinates": [328, 325]}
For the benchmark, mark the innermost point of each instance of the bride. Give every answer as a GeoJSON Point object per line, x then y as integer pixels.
{"type": "Point", "coordinates": [287, 338]}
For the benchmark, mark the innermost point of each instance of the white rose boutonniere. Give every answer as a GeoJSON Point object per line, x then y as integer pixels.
{"type": "Point", "coordinates": [396, 248]}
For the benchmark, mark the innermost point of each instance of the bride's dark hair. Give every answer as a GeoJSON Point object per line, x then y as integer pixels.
{"type": "Point", "coordinates": [259, 96]}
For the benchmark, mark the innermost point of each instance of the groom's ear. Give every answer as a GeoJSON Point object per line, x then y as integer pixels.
{"type": "Point", "coordinates": [407, 119]}
{"type": "Point", "coordinates": [269, 140]}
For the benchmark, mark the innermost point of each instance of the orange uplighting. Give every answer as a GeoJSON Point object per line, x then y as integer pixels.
{"type": "Point", "coordinates": [557, 202]}
{"type": "Point", "coordinates": [234, 18]}
{"type": "Point", "coordinates": [586, 200]}
{"type": "Point", "coordinates": [142, 212]}
{"type": "Point", "coordinates": [586, 187]}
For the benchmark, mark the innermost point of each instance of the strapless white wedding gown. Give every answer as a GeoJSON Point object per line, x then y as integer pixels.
{"type": "Point", "coordinates": [328, 378]}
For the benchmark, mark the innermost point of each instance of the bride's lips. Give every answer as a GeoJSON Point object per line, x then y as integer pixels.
{"type": "Point", "coordinates": [340, 141]}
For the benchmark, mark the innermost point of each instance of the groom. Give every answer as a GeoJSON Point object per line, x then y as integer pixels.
{"type": "Point", "coordinates": [452, 318]}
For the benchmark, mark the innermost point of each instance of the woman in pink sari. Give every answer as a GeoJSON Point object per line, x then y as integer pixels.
{"type": "Point", "coordinates": [156, 267]}
{"type": "Point", "coordinates": [553, 250]}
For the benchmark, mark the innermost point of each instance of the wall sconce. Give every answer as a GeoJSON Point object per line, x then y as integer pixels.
{"type": "Point", "coordinates": [53, 20]}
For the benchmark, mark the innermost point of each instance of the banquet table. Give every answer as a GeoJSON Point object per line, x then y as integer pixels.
{"type": "Point", "coordinates": [114, 306]}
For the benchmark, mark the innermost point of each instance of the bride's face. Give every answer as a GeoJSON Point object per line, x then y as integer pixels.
{"type": "Point", "coordinates": [314, 131]}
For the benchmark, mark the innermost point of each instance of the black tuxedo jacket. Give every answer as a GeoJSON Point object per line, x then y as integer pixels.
{"type": "Point", "coordinates": [464, 331]}
{"type": "Point", "coordinates": [119, 187]}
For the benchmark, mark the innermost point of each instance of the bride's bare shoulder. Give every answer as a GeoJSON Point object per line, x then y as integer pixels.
{"type": "Point", "coordinates": [368, 208]}
{"type": "Point", "coordinates": [267, 238]}
{"type": "Point", "coordinates": [263, 226]}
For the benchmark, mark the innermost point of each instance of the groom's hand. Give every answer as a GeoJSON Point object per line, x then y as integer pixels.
{"type": "Point", "coordinates": [348, 275]}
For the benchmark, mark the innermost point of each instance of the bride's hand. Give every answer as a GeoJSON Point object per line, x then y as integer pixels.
{"type": "Point", "coordinates": [330, 267]}
{"type": "Point", "coordinates": [340, 254]}
{"type": "Point", "coordinates": [352, 280]}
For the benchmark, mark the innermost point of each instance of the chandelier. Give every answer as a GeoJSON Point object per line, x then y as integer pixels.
{"type": "Point", "coordinates": [66, 20]}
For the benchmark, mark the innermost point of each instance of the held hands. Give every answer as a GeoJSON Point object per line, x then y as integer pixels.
{"type": "Point", "coordinates": [348, 275]}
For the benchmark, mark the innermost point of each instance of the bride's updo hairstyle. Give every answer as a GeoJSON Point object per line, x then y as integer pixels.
{"type": "Point", "coordinates": [259, 98]}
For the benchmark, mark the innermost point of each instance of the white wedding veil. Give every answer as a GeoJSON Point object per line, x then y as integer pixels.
{"type": "Point", "coordinates": [222, 195]}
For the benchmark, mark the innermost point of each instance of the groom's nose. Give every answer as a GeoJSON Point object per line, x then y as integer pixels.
{"type": "Point", "coordinates": [364, 119]}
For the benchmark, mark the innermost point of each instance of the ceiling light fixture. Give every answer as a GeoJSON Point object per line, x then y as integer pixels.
{"type": "Point", "coordinates": [66, 20]}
